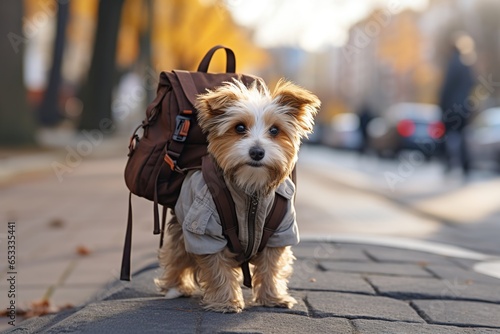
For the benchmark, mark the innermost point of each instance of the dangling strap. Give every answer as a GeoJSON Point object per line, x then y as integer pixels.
{"type": "Point", "coordinates": [163, 222]}
{"type": "Point", "coordinates": [156, 215]}
{"type": "Point", "coordinates": [127, 247]}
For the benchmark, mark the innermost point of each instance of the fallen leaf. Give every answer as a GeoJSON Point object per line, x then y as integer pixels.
{"type": "Point", "coordinates": [37, 308]}
{"type": "Point", "coordinates": [83, 251]}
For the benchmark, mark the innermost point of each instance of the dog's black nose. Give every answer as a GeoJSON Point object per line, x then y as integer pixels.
{"type": "Point", "coordinates": [257, 153]}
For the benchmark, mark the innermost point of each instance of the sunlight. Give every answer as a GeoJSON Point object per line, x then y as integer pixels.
{"type": "Point", "coordinates": [311, 25]}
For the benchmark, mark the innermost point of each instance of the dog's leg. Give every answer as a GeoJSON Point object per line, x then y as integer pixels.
{"type": "Point", "coordinates": [178, 265]}
{"type": "Point", "coordinates": [273, 267]}
{"type": "Point", "coordinates": [218, 277]}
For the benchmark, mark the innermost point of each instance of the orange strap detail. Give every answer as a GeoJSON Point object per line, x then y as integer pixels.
{"type": "Point", "coordinates": [185, 128]}
{"type": "Point", "coordinates": [169, 161]}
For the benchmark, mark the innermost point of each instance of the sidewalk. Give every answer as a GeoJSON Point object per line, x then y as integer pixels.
{"type": "Point", "coordinates": [341, 288]}
{"type": "Point", "coordinates": [70, 235]}
{"type": "Point", "coordinates": [471, 204]}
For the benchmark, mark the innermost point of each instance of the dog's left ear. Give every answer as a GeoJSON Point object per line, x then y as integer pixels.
{"type": "Point", "coordinates": [303, 105]}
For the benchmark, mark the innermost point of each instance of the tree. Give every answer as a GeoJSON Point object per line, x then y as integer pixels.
{"type": "Point", "coordinates": [17, 124]}
{"type": "Point", "coordinates": [97, 91]}
{"type": "Point", "coordinates": [49, 112]}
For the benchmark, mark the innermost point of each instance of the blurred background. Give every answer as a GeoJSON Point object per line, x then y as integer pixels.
{"type": "Point", "coordinates": [407, 142]}
{"type": "Point", "coordinates": [379, 67]}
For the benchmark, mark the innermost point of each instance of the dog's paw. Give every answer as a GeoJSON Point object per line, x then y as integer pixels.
{"type": "Point", "coordinates": [173, 293]}
{"type": "Point", "coordinates": [232, 307]}
{"type": "Point", "coordinates": [286, 301]}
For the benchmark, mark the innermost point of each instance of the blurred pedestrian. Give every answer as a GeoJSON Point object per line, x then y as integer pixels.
{"type": "Point", "coordinates": [365, 116]}
{"type": "Point", "coordinates": [456, 88]}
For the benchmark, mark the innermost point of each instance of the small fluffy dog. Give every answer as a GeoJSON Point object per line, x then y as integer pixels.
{"type": "Point", "coordinates": [254, 137]}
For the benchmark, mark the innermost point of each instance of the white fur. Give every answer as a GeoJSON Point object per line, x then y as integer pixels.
{"type": "Point", "coordinates": [173, 293]}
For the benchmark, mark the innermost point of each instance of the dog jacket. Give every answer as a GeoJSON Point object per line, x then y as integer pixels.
{"type": "Point", "coordinates": [196, 211]}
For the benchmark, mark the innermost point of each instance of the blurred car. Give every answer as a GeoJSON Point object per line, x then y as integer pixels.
{"type": "Point", "coordinates": [407, 126]}
{"type": "Point", "coordinates": [482, 137]}
{"type": "Point", "coordinates": [343, 132]}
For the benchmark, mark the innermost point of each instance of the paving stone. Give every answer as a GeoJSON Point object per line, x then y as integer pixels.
{"type": "Point", "coordinates": [305, 278]}
{"type": "Point", "coordinates": [141, 285]}
{"type": "Point", "coordinates": [383, 254]}
{"type": "Point", "coordinates": [38, 324]}
{"type": "Point", "coordinates": [376, 268]}
{"type": "Point", "coordinates": [433, 288]}
{"type": "Point", "coordinates": [251, 322]}
{"type": "Point", "coordinates": [300, 308]}
{"type": "Point", "coordinates": [130, 316]}
{"type": "Point", "coordinates": [323, 250]}
{"type": "Point", "coordinates": [459, 312]}
{"type": "Point", "coordinates": [455, 273]}
{"type": "Point", "coordinates": [387, 327]}
{"type": "Point", "coordinates": [353, 306]}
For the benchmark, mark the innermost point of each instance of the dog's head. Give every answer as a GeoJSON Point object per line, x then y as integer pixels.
{"type": "Point", "coordinates": [253, 134]}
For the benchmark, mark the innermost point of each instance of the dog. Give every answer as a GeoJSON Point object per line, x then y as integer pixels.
{"type": "Point", "coordinates": [254, 138]}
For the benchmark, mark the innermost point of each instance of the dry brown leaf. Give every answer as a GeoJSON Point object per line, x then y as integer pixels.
{"type": "Point", "coordinates": [37, 308]}
{"type": "Point", "coordinates": [83, 251]}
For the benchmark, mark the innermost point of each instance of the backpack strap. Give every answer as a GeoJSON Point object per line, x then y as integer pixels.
{"type": "Point", "coordinates": [183, 121]}
{"type": "Point", "coordinates": [274, 219]}
{"type": "Point", "coordinates": [223, 202]}
{"type": "Point", "coordinates": [227, 213]}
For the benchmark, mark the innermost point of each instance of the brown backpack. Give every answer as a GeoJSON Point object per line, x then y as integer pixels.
{"type": "Point", "coordinates": [172, 143]}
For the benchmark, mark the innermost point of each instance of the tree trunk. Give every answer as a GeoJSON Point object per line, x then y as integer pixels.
{"type": "Point", "coordinates": [17, 126]}
{"type": "Point", "coordinates": [49, 111]}
{"type": "Point", "coordinates": [97, 91]}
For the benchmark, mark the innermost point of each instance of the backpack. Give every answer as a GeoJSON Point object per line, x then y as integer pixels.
{"type": "Point", "coordinates": [172, 144]}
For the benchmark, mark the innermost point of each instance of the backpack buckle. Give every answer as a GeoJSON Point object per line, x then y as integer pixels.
{"type": "Point", "coordinates": [170, 162]}
{"type": "Point", "coordinates": [182, 124]}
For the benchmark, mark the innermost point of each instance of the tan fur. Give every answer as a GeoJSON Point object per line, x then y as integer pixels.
{"type": "Point", "coordinates": [273, 268]}
{"type": "Point", "coordinates": [217, 276]}
{"type": "Point", "coordinates": [290, 109]}
{"type": "Point", "coordinates": [178, 265]}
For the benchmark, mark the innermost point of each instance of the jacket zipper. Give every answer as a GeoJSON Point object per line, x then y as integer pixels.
{"type": "Point", "coordinates": [252, 213]}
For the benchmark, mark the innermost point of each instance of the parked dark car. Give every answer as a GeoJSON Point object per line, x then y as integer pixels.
{"type": "Point", "coordinates": [482, 137]}
{"type": "Point", "coordinates": [407, 126]}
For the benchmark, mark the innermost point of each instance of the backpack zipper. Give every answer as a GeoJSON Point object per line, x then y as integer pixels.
{"type": "Point", "coordinates": [252, 213]}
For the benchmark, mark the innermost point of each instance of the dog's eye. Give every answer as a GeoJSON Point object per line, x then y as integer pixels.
{"type": "Point", "coordinates": [274, 131]}
{"type": "Point", "coordinates": [240, 128]}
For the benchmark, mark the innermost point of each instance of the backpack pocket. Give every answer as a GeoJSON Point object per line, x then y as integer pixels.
{"type": "Point", "coordinates": [142, 168]}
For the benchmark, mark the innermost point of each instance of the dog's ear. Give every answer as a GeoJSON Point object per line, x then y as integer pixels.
{"type": "Point", "coordinates": [212, 104]}
{"type": "Point", "coordinates": [301, 103]}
